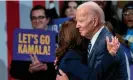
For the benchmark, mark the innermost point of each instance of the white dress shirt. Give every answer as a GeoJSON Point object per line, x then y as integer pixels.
{"type": "Point", "coordinates": [94, 38]}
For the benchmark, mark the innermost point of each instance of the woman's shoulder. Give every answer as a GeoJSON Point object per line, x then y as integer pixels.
{"type": "Point", "coordinates": [71, 53]}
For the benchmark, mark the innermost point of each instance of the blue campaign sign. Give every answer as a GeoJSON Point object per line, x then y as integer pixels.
{"type": "Point", "coordinates": [34, 41]}
{"type": "Point", "coordinates": [55, 24]}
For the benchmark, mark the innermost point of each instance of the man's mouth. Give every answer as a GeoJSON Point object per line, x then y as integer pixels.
{"type": "Point", "coordinates": [80, 31]}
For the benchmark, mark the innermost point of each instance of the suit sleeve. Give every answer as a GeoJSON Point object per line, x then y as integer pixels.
{"type": "Point", "coordinates": [104, 63]}
{"type": "Point", "coordinates": [123, 75]}
{"type": "Point", "coordinates": [73, 66]}
{"type": "Point", "coordinates": [110, 66]}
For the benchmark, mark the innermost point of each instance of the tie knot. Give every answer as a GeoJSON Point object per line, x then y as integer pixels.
{"type": "Point", "coordinates": [89, 46]}
{"type": "Point", "coordinates": [89, 43]}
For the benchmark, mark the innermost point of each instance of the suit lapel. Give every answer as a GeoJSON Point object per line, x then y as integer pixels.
{"type": "Point", "coordinates": [96, 45]}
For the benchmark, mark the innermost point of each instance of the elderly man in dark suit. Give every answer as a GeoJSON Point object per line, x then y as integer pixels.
{"type": "Point", "coordinates": [101, 64]}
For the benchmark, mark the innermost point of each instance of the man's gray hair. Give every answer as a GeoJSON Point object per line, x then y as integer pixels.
{"type": "Point", "coordinates": [96, 8]}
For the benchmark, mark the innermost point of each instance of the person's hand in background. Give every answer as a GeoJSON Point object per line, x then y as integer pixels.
{"type": "Point", "coordinates": [36, 65]}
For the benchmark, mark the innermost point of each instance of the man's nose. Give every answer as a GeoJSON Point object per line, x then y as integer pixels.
{"type": "Point", "coordinates": [71, 9]}
{"type": "Point", "coordinates": [77, 26]}
{"type": "Point", "coordinates": [37, 20]}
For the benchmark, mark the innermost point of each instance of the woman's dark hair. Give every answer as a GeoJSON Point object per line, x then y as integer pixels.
{"type": "Point", "coordinates": [65, 6]}
{"type": "Point", "coordinates": [38, 7]}
{"type": "Point", "coordinates": [70, 38]}
{"type": "Point", "coordinates": [123, 27]}
{"type": "Point", "coordinates": [126, 7]}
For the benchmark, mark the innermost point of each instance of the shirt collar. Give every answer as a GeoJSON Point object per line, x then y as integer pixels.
{"type": "Point", "coordinates": [94, 38]}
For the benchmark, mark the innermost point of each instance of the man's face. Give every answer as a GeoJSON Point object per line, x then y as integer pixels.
{"type": "Point", "coordinates": [39, 20]}
{"type": "Point", "coordinates": [128, 18]}
{"type": "Point", "coordinates": [71, 10]}
{"type": "Point", "coordinates": [84, 23]}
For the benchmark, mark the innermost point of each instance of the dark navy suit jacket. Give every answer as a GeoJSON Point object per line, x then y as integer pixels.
{"type": "Point", "coordinates": [72, 64]}
{"type": "Point", "coordinates": [103, 66]}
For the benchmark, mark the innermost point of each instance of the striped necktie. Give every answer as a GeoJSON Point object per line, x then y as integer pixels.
{"type": "Point", "coordinates": [89, 47]}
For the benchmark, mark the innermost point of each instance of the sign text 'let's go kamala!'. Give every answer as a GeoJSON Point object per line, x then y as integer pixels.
{"type": "Point", "coordinates": [29, 41]}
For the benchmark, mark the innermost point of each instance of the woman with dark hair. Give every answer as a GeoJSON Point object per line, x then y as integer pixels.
{"type": "Point", "coordinates": [69, 9]}
{"type": "Point", "coordinates": [72, 52]}
{"type": "Point", "coordinates": [127, 18]}
{"type": "Point", "coordinates": [125, 30]}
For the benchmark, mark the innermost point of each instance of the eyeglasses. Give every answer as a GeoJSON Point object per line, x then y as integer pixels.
{"type": "Point", "coordinates": [39, 17]}
{"type": "Point", "coordinates": [127, 13]}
